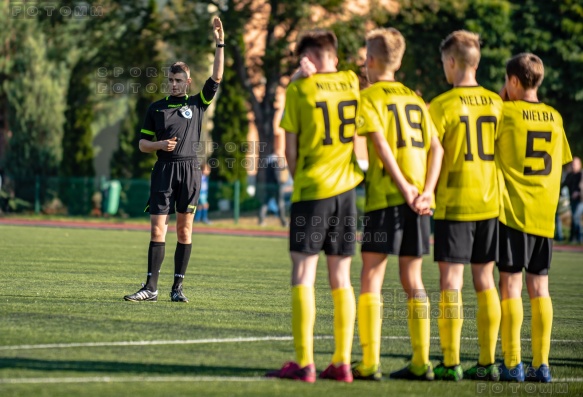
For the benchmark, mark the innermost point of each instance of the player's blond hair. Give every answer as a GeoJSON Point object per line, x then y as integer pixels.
{"type": "Point", "coordinates": [528, 68]}
{"type": "Point", "coordinates": [387, 45]}
{"type": "Point", "coordinates": [463, 46]}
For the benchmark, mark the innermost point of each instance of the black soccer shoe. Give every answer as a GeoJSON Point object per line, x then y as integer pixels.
{"type": "Point", "coordinates": [176, 295]}
{"type": "Point", "coordinates": [143, 295]}
{"type": "Point", "coordinates": [408, 374]}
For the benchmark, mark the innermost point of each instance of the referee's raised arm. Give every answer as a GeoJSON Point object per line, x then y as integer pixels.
{"type": "Point", "coordinates": [219, 63]}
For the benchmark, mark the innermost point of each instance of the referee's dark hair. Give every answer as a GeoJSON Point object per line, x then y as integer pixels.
{"type": "Point", "coordinates": [180, 67]}
{"type": "Point", "coordinates": [320, 40]}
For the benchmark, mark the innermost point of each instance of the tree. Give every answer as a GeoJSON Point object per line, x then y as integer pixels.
{"type": "Point", "coordinates": [230, 133]}
{"type": "Point", "coordinates": [78, 135]}
{"type": "Point", "coordinates": [550, 29]}
{"type": "Point", "coordinates": [67, 42]}
{"type": "Point", "coordinates": [553, 30]}
{"type": "Point", "coordinates": [426, 23]}
{"type": "Point", "coordinates": [34, 95]}
{"type": "Point", "coordinates": [145, 32]}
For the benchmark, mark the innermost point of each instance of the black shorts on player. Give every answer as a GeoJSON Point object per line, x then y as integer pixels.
{"type": "Point", "coordinates": [519, 250]}
{"type": "Point", "coordinates": [175, 187]}
{"type": "Point", "coordinates": [466, 241]}
{"type": "Point", "coordinates": [328, 224]}
{"type": "Point", "coordinates": [396, 230]}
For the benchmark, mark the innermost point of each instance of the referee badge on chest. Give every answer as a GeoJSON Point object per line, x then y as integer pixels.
{"type": "Point", "coordinates": [186, 112]}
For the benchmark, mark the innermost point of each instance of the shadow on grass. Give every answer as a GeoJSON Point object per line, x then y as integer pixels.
{"type": "Point", "coordinates": [125, 367]}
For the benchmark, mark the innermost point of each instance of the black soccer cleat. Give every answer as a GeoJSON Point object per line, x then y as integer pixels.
{"type": "Point", "coordinates": [409, 373]}
{"type": "Point", "coordinates": [176, 295]}
{"type": "Point", "coordinates": [143, 295]}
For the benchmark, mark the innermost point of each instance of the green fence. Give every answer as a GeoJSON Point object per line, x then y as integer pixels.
{"type": "Point", "coordinates": [122, 197]}
{"type": "Point", "coordinates": [125, 198]}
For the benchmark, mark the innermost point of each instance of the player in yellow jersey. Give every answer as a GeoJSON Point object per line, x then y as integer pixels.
{"type": "Point", "coordinates": [404, 162]}
{"type": "Point", "coordinates": [320, 122]}
{"type": "Point", "coordinates": [467, 205]}
{"type": "Point", "coordinates": [530, 153]}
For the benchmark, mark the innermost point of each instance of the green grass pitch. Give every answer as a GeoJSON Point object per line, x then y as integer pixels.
{"type": "Point", "coordinates": [63, 288]}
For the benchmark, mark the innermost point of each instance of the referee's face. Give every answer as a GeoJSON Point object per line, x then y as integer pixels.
{"type": "Point", "coordinates": [179, 83]}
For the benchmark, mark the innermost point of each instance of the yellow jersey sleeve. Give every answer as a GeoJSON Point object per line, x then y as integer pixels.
{"type": "Point", "coordinates": [467, 121]}
{"type": "Point", "coordinates": [401, 116]}
{"type": "Point", "coordinates": [323, 111]}
{"type": "Point", "coordinates": [438, 117]}
{"type": "Point", "coordinates": [567, 156]}
{"type": "Point", "coordinates": [290, 120]}
{"type": "Point", "coordinates": [530, 153]}
{"type": "Point", "coordinates": [370, 120]}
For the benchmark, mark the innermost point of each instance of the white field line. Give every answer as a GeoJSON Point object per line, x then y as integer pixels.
{"type": "Point", "coordinates": [147, 343]}
{"type": "Point", "coordinates": [212, 341]}
{"type": "Point", "coordinates": [146, 379]}
{"type": "Point", "coordinates": [128, 379]}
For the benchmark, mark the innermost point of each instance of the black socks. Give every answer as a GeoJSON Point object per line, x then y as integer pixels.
{"type": "Point", "coordinates": [155, 259]}
{"type": "Point", "coordinates": [181, 258]}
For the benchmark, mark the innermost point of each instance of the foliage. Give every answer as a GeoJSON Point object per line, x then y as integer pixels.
{"type": "Point", "coordinates": [554, 31]}
{"type": "Point", "coordinates": [350, 36]}
{"type": "Point", "coordinates": [145, 32]}
{"type": "Point", "coordinates": [230, 132]}
{"type": "Point", "coordinates": [34, 95]}
{"type": "Point", "coordinates": [78, 135]}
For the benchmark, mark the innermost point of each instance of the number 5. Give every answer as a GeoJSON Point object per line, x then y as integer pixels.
{"type": "Point", "coordinates": [539, 154]}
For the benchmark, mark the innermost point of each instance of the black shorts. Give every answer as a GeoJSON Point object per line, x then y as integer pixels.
{"type": "Point", "coordinates": [396, 230]}
{"type": "Point", "coordinates": [174, 187]}
{"type": "Point", "coordinates": [520, 250]}
{"type": "Point", "coordinates": [328, 224]}
{"type": "Point", "coordinates": [466, 242]}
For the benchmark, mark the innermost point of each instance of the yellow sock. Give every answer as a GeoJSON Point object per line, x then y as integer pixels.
{"type": "Point", "coordinates": [303, 318]}
{"type": "Point", "coordinates": [542, 322]}
{"type": "Point", "coordinates": [450, 326]}
{"type": "Point", "coordinates": [369, 328]}
{"type": "Point", "coordinates": [344, 317]}
{"type": "Point", "coordinates": [419, 330]}
{"type": "Point", "coordinates": [512, 316]}
{"type": "Point", "coordinates": [489, 314]}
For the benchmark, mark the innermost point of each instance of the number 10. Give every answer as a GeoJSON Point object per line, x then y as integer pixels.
{"type": "Point", "coordinates": [479, 122]}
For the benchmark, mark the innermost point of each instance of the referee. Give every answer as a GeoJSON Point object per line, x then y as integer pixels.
{"type": "Point", "coordinates": [175, 123]}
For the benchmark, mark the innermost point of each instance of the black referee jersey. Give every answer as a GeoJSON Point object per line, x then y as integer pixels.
{"type": "Point", "coordinates": [164, 120]}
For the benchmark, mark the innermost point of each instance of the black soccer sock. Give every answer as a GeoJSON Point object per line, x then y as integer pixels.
{"type": "Point", "coordinates": [155, 259]}
{"type": "Point", "coordinates": [181, 258]}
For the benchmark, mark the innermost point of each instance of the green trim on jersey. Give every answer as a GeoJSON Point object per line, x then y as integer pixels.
{"type": "Point", "coordinates": [147, 132]}
{"type": "Point", "coordinates": [186, 97]}
{"type": "Point", "coordinates": [204, 99]}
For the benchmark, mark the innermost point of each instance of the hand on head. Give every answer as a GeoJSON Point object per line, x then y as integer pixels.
{"type": "Point", "coordinates": [307, 67]}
